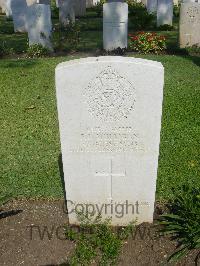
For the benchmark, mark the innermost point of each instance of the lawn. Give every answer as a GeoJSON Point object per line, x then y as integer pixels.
{"type": "Point", "coordinates": [30, 150]}
{"type": "Point", "coordinates": [29, 127]}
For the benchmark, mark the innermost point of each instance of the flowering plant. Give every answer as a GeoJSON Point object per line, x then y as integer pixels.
{"type": "Point", "coordinates": [147, 42]}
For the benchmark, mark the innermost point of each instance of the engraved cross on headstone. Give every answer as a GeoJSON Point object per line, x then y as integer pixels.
{"type": "Point", "coordinates": [110, 174]}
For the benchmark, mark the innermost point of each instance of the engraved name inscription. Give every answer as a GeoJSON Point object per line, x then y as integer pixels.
{"type": "Point", "coordinates": [117, 139]}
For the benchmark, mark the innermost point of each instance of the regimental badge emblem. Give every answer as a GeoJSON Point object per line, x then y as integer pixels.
{"type": "Point", "coordinates": [110, 97]}
{"type": "Point", "coordinates": [193, 14]}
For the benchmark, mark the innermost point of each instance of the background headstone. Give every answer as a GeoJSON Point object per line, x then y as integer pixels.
{"type": "Point", "coordinates": [115, 25]}
{"type": "Point", "coordinates": [80, 8]}
{"type": "Point", "coordinates": [144, 2]}
{"type": "Point", "coordinates": [19, 9]}
{"type": "Point", "coordinates": [189, 24]}
{"type": "Point", "coordinates": [176, 2]}
{"type": "Point", "coordinates": [110, 120]}
{"type": "Point", "coordinates": [66, 11]}
{"type": "Point", "coordinates": [95, 2]}
{"type": "Point", "coordinates": [6, 7]}
{"type": "Point", "coordinates": [190, 1]}
{"type": "Point", "coordinates": [31, 2]}
{"type": "Point", "coordinates": [151, 6]}
{"type": "Point", "coordinates": [89, 3]}
{"type": "Point", "coordinates": [165, 12]}
{"type": "Point", "coordinates": [39, 25]}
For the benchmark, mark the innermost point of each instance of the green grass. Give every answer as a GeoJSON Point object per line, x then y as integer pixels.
{"type": "Point", "coordinates": [30, 137]}
{"type": "Point", "coordinates": [29, 127]}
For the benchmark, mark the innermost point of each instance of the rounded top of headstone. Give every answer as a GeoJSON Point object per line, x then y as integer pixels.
{"type": "Point", "coordinates": [110, 59]}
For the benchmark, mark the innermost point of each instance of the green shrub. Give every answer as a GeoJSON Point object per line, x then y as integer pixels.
{"type": "Point", "coordinates": [5, 50]}
{"type": "Point", "coordinates": [183, 222]}
{"type": "Point", "coordinates": [97, 240]}
{"type": "Point", "coordinates": [176, 10]}
{"type": "Point", "coordinates": [37, 50]}
{"type": "Point", "coordinates": [98, 8]}
{"type": "Point", "coordinates": [147, 42]}
{"type": "Point", "coordinates": [165, 27]}
{"type": "Point", "coordinates": [139, 16]}
{"type": "Point", "coordinates": [54, 9]}
{"type": "Point", "coordinates": [67, 35]}
{"type": "Point", "coordinates": [193, 50]}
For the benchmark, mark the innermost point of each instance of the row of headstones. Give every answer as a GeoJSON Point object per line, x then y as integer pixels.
{"type": "Point", "coordinates": [34, 16]}
{"type": "Point", "coordinates": [164, 9]}
{"type": "Point", "coordinates": [79, 6]}
{"type": "Point", "coordinates": [115, 23]}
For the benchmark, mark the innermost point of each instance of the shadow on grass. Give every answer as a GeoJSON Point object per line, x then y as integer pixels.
{"type": "Point", "coordinates": [60, 164]}
{"type": "Point", "coordinates": [14, 63]}
{"type": "Point", "coordinates": [62, 264]}
{"type": "Point", "coordinates": [195, 59]}
{"type": "Point", "coordinates": [9, 213]}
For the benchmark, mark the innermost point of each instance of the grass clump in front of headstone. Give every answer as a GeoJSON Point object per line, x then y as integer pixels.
{"type": "Point", "coordinates": [97, 241]}
{"type": "Point", "coordinates": [66, 36]}
{"type": "Point", "coordinates": [183, 222]}
{"type": "Point", "coordinates": [37, 51]}
{"type": "Point", "coordinates": [5, 50]}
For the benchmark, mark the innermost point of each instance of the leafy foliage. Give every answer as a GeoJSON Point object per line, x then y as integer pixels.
{"type": "Point", "coordinates": [146, 42]}
{"type": "Point", "coordinates": [184, 221]}
{"type": "Point", "coordinates": [4, 50]}
{"type": "Point", "coordinates": [98, 8]}
{"type": "Point", "coordinates": [166, 27]}
{"type": "Point", "coordinates": [36, 51]}
{"type": "Point", "coordinates": [176, 10]}
{"type": "Point", "coordinates": [54, 9]}
{"type": "Point", "coordinates": [139, 16]}
{"type": "Point", "coordinates": [97, 240]}
{"type": "Point", "coordinates": [69, 34]}
{"type": "Point", "coordinates": [194, 50]}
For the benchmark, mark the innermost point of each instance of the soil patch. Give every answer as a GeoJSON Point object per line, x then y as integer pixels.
{"type": "Point", "coordinates": [31, 234]}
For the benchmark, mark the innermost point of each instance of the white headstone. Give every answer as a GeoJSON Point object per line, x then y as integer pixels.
{"type": "Point", "coordinates": [6, 7]}
{"type": "Point", "coordinates": [189, 25]}
{"type": "Point", "coordinates": [19, 9]}
{"type": "Point", "coordinates": [176, 2]}
{"type": "Point", "coordinates": [115, 25]}
{"type": "Point", "coordinates": [80, 8]}
{"type": "Point", "coordinates": [164, 12]}
{"type": "Point", "coordinates": [89, 3]}
{"type": "Point", "coordinates": [190, 1]}
{"type": "Point", "coordinates": [31, 2]}
{"type": "Point", "coordinates": [144, 2]}
{"type": "Point", "coordinates": [152, 6]}
{"type": "Point", "coordinates": [66, 11]}
{"type": "Point", "coordinates": [95, 2]}
{"type": "Point", "coordinates": [39, 25]}
{"type": "Point", "coordinates": [110, 120]}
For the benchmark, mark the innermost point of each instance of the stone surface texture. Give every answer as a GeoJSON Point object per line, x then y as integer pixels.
{"type": "Point", "coordinates": [110, 121]}
{"type": "Point", "coordinates": [165, 12]}
{"type": "Point", "coordinates": [189, 25]}
{"type": "Point", "coordinates": [115, 25]}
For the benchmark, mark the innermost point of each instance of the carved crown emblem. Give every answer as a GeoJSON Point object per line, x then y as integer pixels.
{"type": "Point", "coordinates": [110, 96]}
